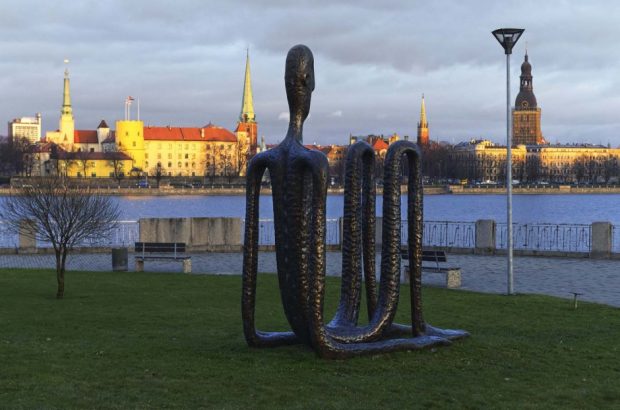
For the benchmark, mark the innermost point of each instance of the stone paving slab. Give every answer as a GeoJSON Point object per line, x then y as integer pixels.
{"type": "Point", "coordinates": [598, 280]}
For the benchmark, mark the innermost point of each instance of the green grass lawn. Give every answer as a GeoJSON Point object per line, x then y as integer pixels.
{"type": "Point", "coordinates": [138, 340]}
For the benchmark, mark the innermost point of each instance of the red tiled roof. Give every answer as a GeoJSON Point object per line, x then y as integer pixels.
{"type": "Point", "coordinates": [313, 146]}
{"type": "Point", "coordinates": [85, 137]}
{"type": "Point", "coordinates": [379, 145]}
{"type": "Point", "coordinates": [208, 133]}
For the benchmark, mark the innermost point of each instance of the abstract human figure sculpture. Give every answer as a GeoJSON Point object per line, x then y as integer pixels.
{"type": "Point", "coordinates": [299, 188]}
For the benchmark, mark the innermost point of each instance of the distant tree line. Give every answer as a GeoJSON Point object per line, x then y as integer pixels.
{"type": "Point", "coordinates": [15, 158]}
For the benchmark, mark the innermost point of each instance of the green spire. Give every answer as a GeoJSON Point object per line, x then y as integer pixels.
{"type": "Point", "coordinates": [247, 105]}
{"type": "Point", "coordinates": [66, 96]}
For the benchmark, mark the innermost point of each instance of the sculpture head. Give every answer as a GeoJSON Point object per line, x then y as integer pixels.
{"type": "Point", "coordinates": [299, 81]}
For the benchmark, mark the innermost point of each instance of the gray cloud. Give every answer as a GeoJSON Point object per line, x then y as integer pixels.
{"type": "Point", "coordinates": [373, 60]}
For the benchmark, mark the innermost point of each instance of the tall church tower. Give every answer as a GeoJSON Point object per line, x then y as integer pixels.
{"type": "Point", "coordinates": [526, 114]}
{"type": "Point", "coordinates": [247, 127]}
{"type": "Point", "coordinates": [423, 126]}
{"type": "Point", "coordinates": [67, 125]}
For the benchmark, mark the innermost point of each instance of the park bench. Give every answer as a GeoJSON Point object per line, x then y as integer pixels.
{"type": "Point", "coordinates": [174, 251]}
{"type": "Point", "coordinates": [453, 274]}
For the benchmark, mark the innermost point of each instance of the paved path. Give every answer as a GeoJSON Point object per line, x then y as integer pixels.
{"type": "Point", "coordinates": [598, 280]}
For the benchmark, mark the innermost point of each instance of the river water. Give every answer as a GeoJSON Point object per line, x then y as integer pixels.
{"type": "Point", "coordinates": [573, 209]}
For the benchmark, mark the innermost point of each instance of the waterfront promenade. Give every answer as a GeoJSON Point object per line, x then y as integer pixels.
{"type": "Point", "coordinates": [597, 280]}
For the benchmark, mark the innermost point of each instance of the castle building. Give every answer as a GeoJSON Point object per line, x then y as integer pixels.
{"type": "Point", "coordinates": [526, 113]}
{"type": "Point", "coordinates": [192, 151]}
{"type": "Point", "coordinates": [173, 151]}
{"type": "Point", "coordinates": [423, 126]}
{"type": "Point", "coordinates": [179, 151]}
{"type": "Point", "coordinates": [26, 127]}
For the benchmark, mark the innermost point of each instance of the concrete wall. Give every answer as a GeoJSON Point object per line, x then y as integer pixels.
{"type": "Point", "coordinates": [485, 236]}
{"type": "Point", "coordinates": [200, 234]}
{"type": "Point", "coordinates": [601, 240]}
{"type": "Point", "coordinates": [27, 238]}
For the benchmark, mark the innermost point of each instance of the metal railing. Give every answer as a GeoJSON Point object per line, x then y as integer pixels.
{"type": "Point", "coordinates": [447, 234]}
{"type": "Point", "coordinates": [126, 233]}
{"type": "Point", "coordinates": [8, 238]}
{"type": "Point", "coordinates": [534, 237]}
{"type": "Point", "coordinates": [266, 231]}
{"type": "Point", "coordinates": [546, 237]}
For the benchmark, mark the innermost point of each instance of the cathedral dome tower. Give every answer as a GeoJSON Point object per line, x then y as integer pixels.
{"type": "Point", "coordinates": [526, 113]}
{"type": "Point", "coordinates": [526, 98]}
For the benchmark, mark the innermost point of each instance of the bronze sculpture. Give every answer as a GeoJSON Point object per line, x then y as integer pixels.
{"type": "Point", "coordinates": [299, 189]}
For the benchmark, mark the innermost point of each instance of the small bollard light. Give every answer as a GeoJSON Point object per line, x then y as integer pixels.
{"type": "Point", "coordinates": [575, 296]}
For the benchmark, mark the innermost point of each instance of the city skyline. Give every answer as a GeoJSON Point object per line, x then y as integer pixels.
{"type": "Point", "coordinates": [373, 63]}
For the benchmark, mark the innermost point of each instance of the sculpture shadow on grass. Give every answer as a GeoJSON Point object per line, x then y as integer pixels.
{"type": "Point", "coordinates": [299, 188]}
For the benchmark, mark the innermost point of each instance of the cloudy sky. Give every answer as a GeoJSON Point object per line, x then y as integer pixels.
{"type": "Point", "coordinates": [185, 60]}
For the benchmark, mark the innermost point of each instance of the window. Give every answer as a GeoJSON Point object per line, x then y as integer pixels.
{"type": "Point", "coordinates": [134, 143]}
{"type": "Point", "coordinates": [169, 155]}
{"type": "Point", "coordinates": [146, 155]}
{"type": "Point", "coordinates": [92, 150]}
{"type": "Point", "coordinates": [180, 155]}
{"type": "Point", "coordinates": [146, 164]}
{"type": "Point", "coordinates": [186, 156]}
{"type": "Point", "coordinates": [180, 165]}
{"type": "Point", "coordinates": [126, 133]}
{"type": "Point", "coordinates": [93, 175]}
{"type": "Point", "coordinates": [186, 165]}
{"type": "Point", "coordinates": [169, 165]}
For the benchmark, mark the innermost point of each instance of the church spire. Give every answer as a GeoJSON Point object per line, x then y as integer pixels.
{"type": "Point", "coordinates": [66, 126]}
{"type": "Point", "coordinates": [423, 125]}
{"type": "Point", "coordinates": [423, 121]}
{"type": "Point", "coordinates": [247, 105]}
{"type": "Point", "coordinates": [66, 96]}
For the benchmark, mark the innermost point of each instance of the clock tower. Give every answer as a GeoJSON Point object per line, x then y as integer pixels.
{"type": "Point", "coordinates": [526, 113]}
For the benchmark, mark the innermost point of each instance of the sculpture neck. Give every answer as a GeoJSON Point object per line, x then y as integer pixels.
{"type": "Point", "coordinates": [295, 130]}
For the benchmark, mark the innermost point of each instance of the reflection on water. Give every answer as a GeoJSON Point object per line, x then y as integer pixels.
{"type": "Point", "coordinates": [526, 208]}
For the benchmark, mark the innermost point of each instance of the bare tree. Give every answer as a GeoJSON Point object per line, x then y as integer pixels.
{"type": "Point", "coordinates": [158, 173]}
{"type": "Point", "coordinates": [82, 161]}
{"type": "Point", "coordinates": [49, 210]}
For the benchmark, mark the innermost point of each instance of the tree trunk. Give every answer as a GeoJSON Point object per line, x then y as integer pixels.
{"type": "Point", "coordinates": [61, 257]}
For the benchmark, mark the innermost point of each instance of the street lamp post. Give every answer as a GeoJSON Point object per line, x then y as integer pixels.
{"type": "Point", "coordinates": [507, 38]}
